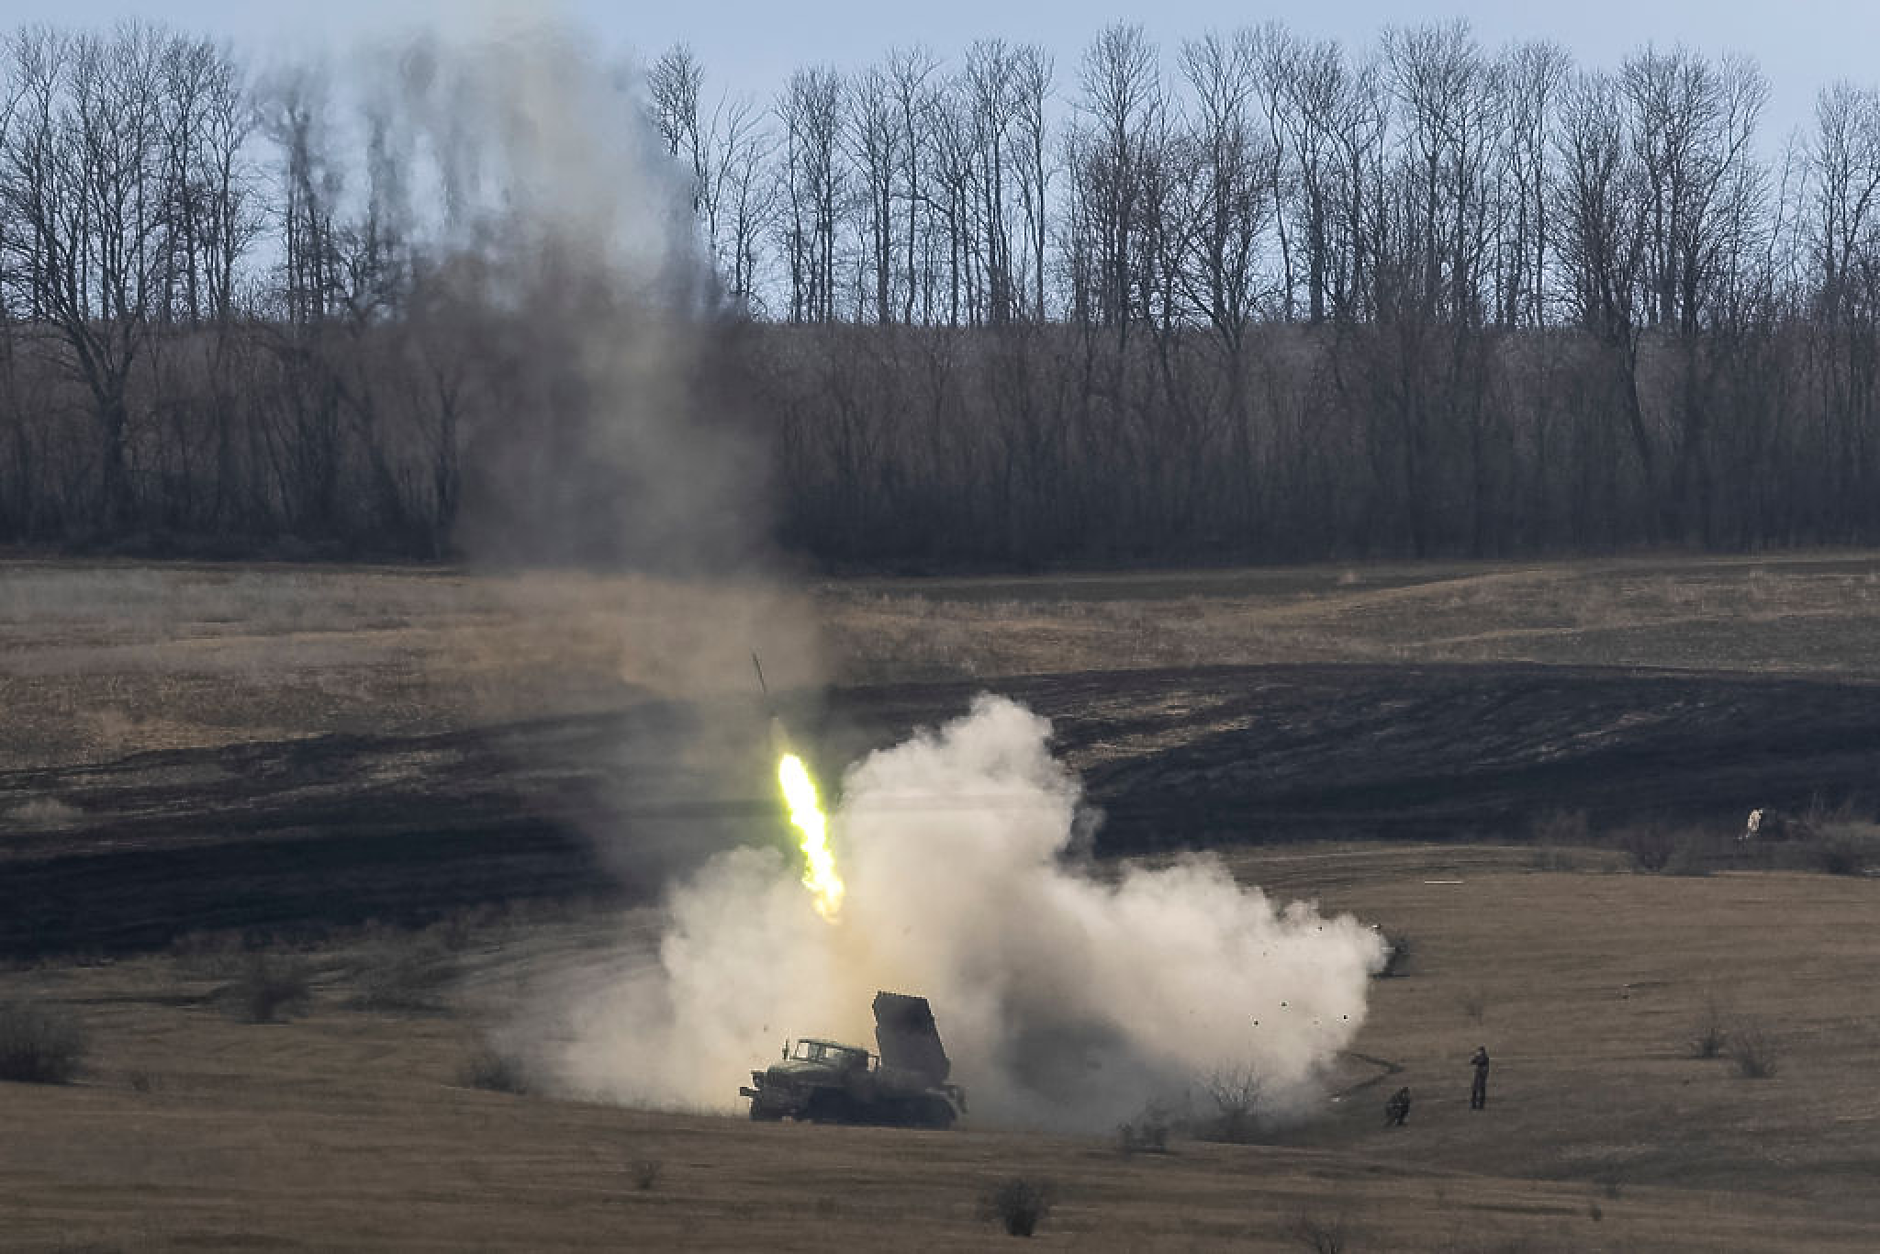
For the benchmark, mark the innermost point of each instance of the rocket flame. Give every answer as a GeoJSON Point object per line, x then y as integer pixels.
{"type": "Point", "coordinates": [819, 863]}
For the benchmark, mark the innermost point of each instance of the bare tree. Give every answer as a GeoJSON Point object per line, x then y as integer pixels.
{"type": "Point", "coordinates": [1602, 246]}
{"type": "Point", "coordinates": [910, 74]}
{"type": "Point", "coordinates": [1121, 110]}
{"type": "Point", "coordinates": [738, 212]}
{"type": "Point", "coordinates": [1533, 75]}
{"type": "Point", "coordinates": [875, 141]}
{"type": "Point", "coordinates": [84, 183]}
{"type": "Point", "coordinates": [1692, 126]}
{"type": "Point", "coordinates": [1031, 93]}
{"type": "Point", "coordinates": [814, 183]}
{"type": "Point", "coordinates": [1227, 215]}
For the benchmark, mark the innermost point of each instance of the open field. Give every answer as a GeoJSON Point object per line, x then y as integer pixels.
{"type": "Point", "coordinates": [99, 660]}
{"type": "Point", "coordinates": [254, 746]}
{"type": "Point", "coordinates": [346, 1129]}
{"type": "Point", "coordinates": [294, 751]}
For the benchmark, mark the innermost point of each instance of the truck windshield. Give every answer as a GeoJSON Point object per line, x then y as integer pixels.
{"type": "Point", "coordinates": [831, 1055]}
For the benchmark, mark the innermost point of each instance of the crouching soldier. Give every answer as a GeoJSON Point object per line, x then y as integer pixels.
{"type": "Point", "coordinates": [1397, 1109]}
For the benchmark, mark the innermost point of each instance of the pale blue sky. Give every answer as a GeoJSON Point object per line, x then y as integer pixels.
{"type": "Point", "coordinates": [751, 45]}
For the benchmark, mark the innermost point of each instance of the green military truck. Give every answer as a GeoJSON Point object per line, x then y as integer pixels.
{"type": "Point", "coordinates": [905, 1084]}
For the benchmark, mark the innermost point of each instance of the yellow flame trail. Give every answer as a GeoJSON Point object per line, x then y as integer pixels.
{"type": "Point", "coordinates": [819, 863]}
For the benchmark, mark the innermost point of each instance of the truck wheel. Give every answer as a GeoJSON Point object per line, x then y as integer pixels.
{"type": "Point", "coordinates": [936, 1114]}
{"type": "Point", "coordinates": [826, 1107]}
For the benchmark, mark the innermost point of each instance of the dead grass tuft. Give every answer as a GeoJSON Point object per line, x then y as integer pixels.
{"type": "Point", "coordinates": [1321, 1234]}
{"type": "Point", "coordinates": [1147, 1133]}
{"type": "Point", "coordinates": [1234, 1105]}
{"type": "Point", "coordinates": [269, 989]}
{"type": "Point", "coordinates": [39, 1044]}
{"type": "Point", "coordinates": [1018, 1203]}
{"type": "Point", "coordinates": [494, 1071]}
{"type": "Point", "coordinates": [1711, 1032]}
{"type": "Point", "coordinates": [1754, 1050]}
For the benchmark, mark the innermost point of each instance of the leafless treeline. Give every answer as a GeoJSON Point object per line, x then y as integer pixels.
{"type": "Point", "coordinates": [1255, 296]}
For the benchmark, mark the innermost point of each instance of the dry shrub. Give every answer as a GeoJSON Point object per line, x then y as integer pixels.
{"type": "Point", "coordinates": [1147, 1133]}
{"type": "Point", "coordinates": [1019, 1204]}
{"type": "Point", "coordinates": [1691, 855]}
{"type": "Point", "coordinates": [494, 1071]}
{"type": "Point", "coordinates": [646, 1173]}
{"type": "Point", "coordinates": [1710, 1033]}
{"type": "Point", "coordinates": [269, 989]}
{"type": "Point", "coordinates": [39, 1044]}
{"type": "Point", "coordinates": [1831, 852]}
{"type": "Point", "coordinates": [1839, 855]}
{"type": "Point", "coordinates": [1555, 859]}
{"type": "Point", "coordinates": [1234, 1098]}
{"type": "Point", "coordinates": [1321, 1235]}
{"type": "Point", "coordinates": [1754, 1050]}
{"type": "Point", "coordinates": [1649, 845]}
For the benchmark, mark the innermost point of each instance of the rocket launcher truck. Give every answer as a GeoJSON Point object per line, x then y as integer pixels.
{"type": "Point", "coordinates": [905, 1083]}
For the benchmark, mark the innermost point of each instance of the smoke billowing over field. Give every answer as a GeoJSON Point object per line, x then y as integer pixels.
{"type": "Point", "coordinates": [1064, 999]}
{"type": "Point", "coordinates": [568, 266]}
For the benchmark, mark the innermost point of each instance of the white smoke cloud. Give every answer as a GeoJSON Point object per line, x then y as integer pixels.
{"type": "Point", "coordinates": [1064, 999]}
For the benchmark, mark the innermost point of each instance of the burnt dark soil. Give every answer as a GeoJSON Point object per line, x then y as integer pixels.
{"type": "Point", "coordinates": [295, 837]}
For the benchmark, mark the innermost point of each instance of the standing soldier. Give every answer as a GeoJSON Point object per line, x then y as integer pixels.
{"type": "Point", "coordinates": [1397, 1109]}
{"type": "Point", "coordinates": [1478, 1092]}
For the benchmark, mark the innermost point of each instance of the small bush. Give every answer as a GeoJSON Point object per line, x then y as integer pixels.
{"type": "Point", "coordinates": [1019, 1203]}
{"type": "Point", "coordinates": [495, 1071]}
{"type": "Point", "coordinates": [1233, 1101]}
{"type": "Point", "coordinates": [1710, 1032]}
{"type": "Point", "coordinates": [39, 1045]}
{"type": "Point", "coordinates": [1323, 1236]}
{"type": "Point", "coordinates": [646, 1173]}
{"type": "Point", "coordinates": [1555, 859]}
{"type": "Point", "coordinates": [1692, 855]}
{"type": "Point", "coordinates": [1839, 855]}
{"type": "Point", "coordinates": [1147, 1133]}
{"type": "Point", "coordinates": [1755, 1052]}
{"type": "Point", "coordinates": [269, 989]}
{"type": "Point", "coordinates": [1650, 847]}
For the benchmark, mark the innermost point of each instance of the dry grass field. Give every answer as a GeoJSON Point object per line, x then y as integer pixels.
{"type": "Point", "coordinates": [153, 712]}
{"type": "Point", "coordinates": [102, 659]}
{"type": "Point", "coordinates": [349, 1128]}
